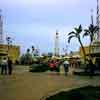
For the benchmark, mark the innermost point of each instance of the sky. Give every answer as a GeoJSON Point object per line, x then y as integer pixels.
{"type": "Point", "coordinates": [34, 22]}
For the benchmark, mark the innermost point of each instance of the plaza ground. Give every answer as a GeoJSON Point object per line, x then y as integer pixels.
{"type": "Point", "coordinates": [24, 85]}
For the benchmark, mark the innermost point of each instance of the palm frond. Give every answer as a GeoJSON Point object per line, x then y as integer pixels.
{"type": "Point", "coordinates": [96, 28]}
{"type": "Point", "coordinates": [70, 37]}
{"type": "Point", "coordinates": [79, 29]}
{"type": "Point", "coordinates": [86, 32]}
{"type": "Point", "coordinates": [76, 29]}
{"type": "Point", "coordinates": [93, 29]}
{"type": "Point", "coordinates": [71, 33]}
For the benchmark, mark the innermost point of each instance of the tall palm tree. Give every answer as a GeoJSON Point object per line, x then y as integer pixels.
{"type": "Point", "coordinates": [28, 57]}
{"type": "Point", "coordinates": [91, 31]}
{"type": "Point", "coordinates": [33, 48]}
{"type": "Point", "coordinates": [76, 33]}
{"type": "Point", "coordinates": [28, 50]}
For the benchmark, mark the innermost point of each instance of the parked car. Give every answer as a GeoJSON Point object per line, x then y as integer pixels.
{"type": "Point", "coordinates": [39, 67]}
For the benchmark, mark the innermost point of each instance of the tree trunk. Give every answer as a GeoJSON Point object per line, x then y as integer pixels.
{"type": "Point", "coordinates": [83, 50]}
{"type": "Point", "coordinates": [90, 49]}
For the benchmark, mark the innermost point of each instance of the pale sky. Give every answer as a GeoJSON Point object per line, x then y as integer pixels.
{"type": "Point", "coordinates": [34, 22]}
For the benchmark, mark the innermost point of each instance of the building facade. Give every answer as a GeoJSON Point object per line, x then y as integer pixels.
{"type": "Point", "coordinates": [11, 51]}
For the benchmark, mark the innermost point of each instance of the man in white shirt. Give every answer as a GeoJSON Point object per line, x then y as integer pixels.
{"type": "Point", "coordinates": [4, 66]}
{"type": "Point", "coordinates": [66, 65]}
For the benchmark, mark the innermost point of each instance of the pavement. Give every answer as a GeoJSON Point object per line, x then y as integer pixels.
{"type": "Point", "coordinates": [25, 85]}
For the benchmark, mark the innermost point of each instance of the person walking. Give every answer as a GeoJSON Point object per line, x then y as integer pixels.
{"type": "Point", "coordinates": [92, 68]}
{"type": "Point", "coordinates": [52, 65]}
{"type": "Point", "coordinates": [4, 66]}
{"type": "Point", "coordinates": [9, 66]}
{"type": "Point", "coordinates": [66, 65]}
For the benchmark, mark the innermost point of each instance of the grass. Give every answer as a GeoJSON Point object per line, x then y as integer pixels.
{"type": "Point", "coordinates": [84, 93]}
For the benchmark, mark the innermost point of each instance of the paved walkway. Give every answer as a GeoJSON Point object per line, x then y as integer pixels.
{"type": "Point", "coordinates": [24, 85]}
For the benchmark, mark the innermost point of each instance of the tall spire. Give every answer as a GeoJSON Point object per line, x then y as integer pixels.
{"type": "Point", "coordinates": [92, 22]}
{"type": "Point", "coordinates": [56, 48]}
{"type": "Point", "coordinates": [98, 21]}
{"type": "Point", "coordinates": [1, 27]}
{"type": "Point", "coordinates": [92, 16]}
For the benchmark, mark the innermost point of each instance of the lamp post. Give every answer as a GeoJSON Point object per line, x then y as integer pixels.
{"type": "Point", "coordinates": [9, 41]}
{"type": "Point", "coordinates": [65, 50]}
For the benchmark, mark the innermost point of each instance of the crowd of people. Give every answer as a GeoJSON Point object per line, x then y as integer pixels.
{"type": "Point", "coordinates": [69, 66]}
{"type": "Point", "coordinates": [55, 65]}
{"type": "Point", "coordinates": [6, 66]}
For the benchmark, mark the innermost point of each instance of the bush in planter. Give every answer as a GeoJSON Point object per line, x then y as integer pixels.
{"type": "Point", "coordinates": [84, 93]}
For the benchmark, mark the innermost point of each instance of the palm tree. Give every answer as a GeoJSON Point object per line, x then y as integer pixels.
{"type": "Point", "coordinates": [33, 48]}
{"type": "Point", "coordinates": [76, 33]}
{"type": "Point", "coordinates": [91, 31]}
{"type": "Point", "coordinates": [28, 51]}
{"type": "Point", "coordinates": [28, 56]}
